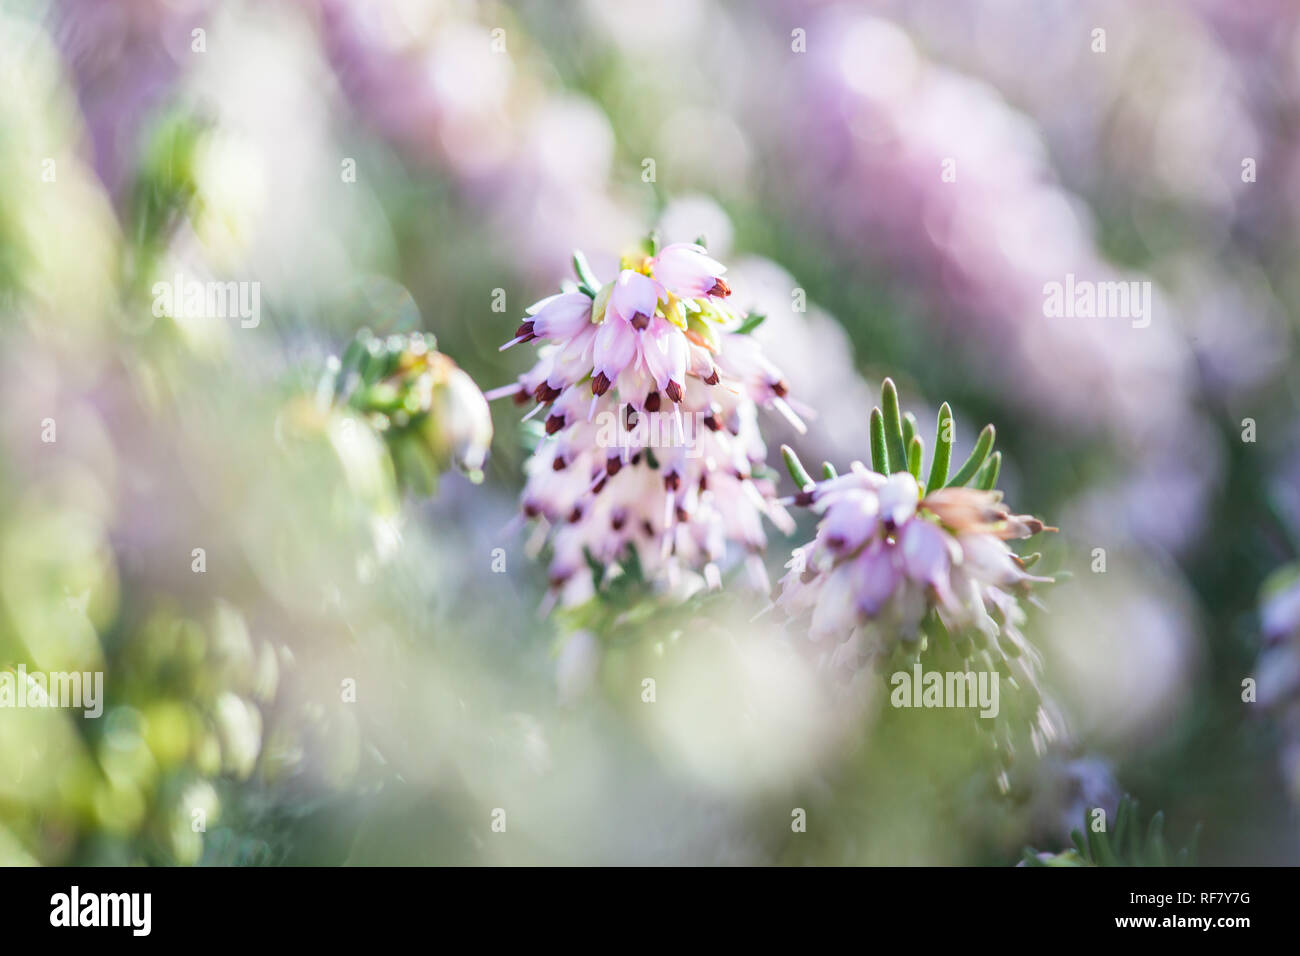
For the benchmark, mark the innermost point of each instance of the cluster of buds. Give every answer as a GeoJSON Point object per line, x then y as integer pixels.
{"type": "Point", "coordinates": [428, 411]}
{"type": "Point", "coordinates": [898, 565]}
{"type": "Point", "coordinates": [650, 384]}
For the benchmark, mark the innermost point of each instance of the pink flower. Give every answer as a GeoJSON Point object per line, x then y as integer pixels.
{"type": "Point", "coordinates": [634, 299]}
{"type": "Point", "coordinates": [675, 482]}
{"type": "Point", "coordinates": [885, 555]}
{"type": "Point", "coordinates": [686, 270]}
{"type": "Point", "coordinates": [558, 318]}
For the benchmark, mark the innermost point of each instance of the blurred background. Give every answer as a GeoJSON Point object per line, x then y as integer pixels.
{"type": "Point", "coordinates": [359, 674]}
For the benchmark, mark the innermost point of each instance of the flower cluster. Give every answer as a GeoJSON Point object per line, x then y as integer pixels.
{"type": "Point", "coordinates": [428, 411]}
{"type": "Point", "coordinates": [650, 384]}
{"type": "Point", "coordinates": [886, 554]}
{"type": "Point", "coordinates": [894, 562]}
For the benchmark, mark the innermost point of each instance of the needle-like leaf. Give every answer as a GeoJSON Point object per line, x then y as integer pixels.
{"type": "Point", "coordinates": [879, 453]}
{"type": "Point", "coordinates": [983, 446]}
{"type": "Point", "coordinates": [987, 478]}
{"type": "Point", "coordinates": [915, 454]}
{"type": "Point", "coordinates": [942, 450]}
{"type": "Point", "coordinates": [587, 281]}
{"type": "Point", "coordinates": [893, 426]}
{"type": "Point", "coordinates": [797, 471]}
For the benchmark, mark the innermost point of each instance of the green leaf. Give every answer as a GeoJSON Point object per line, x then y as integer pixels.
{"type": "Point", "coordinates": [988, 473]}
{"type": "Point", "coordinates": [1155, 854]}
{"type": "Point", "coordinates": [915, 453]}
{"type": "Point", "coordinates": [879, 454]}
{"type": "Point", "coordinates": [797, 471]}
{"type": "Point", "coordinates": [942, 450]}
{"type": "Point", "coordinates": [982, 448]}
{"type": "Point", "coordinates": [587, 281]}
{"type": "Point", "coordinates": [893, 426]}
{"type": "Point", "coordinates": [1134, 849]}
{"type": "Point", "coordinates": [829, 470]}
{"type": "Point", "coordinates": [909, 429]}
{"type": "Point", "coordinates": [751, 322]}
{"type": "Point", "coordinates": [1102, 851]}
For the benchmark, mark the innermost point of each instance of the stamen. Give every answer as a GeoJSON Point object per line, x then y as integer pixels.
{"type": "Point", "coordinates": [788, 414]}
{"type": "Point", "coordinates": [514, 388]}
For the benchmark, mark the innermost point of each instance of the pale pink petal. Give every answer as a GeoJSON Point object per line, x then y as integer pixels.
{"type": "Point", "coordinates": [562, 316]}
{"type": "Point", "coordinates": [615, 347]}
{"type": "Point", "coordinates": [898, 498]}
{"type": "Point", "coordinates": [635, 297]}
{"type": "Point", "coordinates": [850, 521]}
{"type": "Point", "coordinates": [665, 351]}
{"type": "Point", "coordinates": [877, 578]}
{"type": "Point", "coordinates": [686, 270]}
{"type": "Point", "coordinates": [928, 554]}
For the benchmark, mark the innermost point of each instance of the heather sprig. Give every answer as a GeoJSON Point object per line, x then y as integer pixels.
{"type": "Point", "coordinates": [902, 572]}
{"type": "Point", "coordinates": [651, 386]}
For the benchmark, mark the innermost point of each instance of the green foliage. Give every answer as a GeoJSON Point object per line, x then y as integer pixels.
{"type": "Point", "coordinates": [1126, 845]}
{"type": "Point", "coordinates": [626, 608]}
{"type": "Point", "coordinates": [896, 446]}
